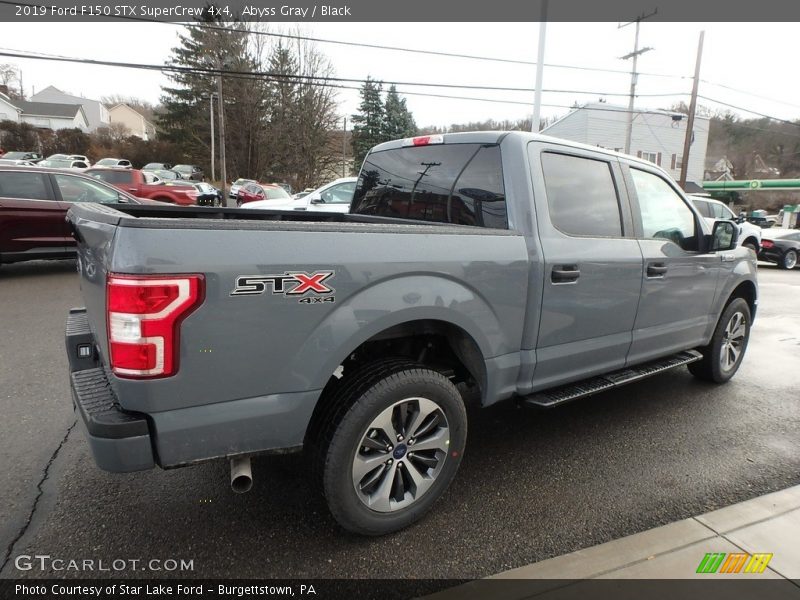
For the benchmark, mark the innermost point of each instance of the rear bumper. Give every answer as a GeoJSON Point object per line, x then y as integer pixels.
{"type": "Point", "coordinates": [770, 255]}
{"type": "Point", "coordinates": [119, 440]}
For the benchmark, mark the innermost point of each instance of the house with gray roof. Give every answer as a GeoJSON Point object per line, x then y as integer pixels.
{"type": "Point", "coordinates": [50, 115]}
{"type": "Point", "coordinates": [96, 112]}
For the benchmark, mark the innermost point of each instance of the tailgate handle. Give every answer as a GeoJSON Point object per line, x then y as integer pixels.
{"type": "Point", "coordinates": [656, 269]}
{"type": "Point", "coordinates": [565, 274]}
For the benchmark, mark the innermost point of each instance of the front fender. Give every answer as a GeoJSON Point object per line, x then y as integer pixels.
{"type": "Point", "coordinates": [393, 302]}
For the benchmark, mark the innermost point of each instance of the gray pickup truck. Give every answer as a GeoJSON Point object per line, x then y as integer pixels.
{"type": "Point", "coordinates": [521, 266]}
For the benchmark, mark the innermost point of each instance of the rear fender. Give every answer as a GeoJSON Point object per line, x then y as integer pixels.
{"type": "Point", "coordinates": [357, 320]}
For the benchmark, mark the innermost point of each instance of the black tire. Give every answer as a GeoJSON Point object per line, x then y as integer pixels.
{"type": "Point", "coordinates": [788, 260]}
{"type": "Point", "coordinates": [710, 367]}
{"type": "Point", "coordinates": [752, 246]}
{"type": "Point", "coordinates": [338, 432]}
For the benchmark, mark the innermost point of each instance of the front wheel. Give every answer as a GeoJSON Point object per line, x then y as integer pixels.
{"type": "Point", "coordinates": [788, 260]}
{"type": "Point", "coordinates": [723, 356]}
{"type": "Point", "coordinates": [395, 450]}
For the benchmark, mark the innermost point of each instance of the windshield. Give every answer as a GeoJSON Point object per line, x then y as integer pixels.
{"type": "Point", "coordinates": [276, 193]}
{"type": "Point", "coordinates": [15, 155]}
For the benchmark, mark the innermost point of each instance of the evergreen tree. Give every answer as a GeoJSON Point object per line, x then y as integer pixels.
{"type": "Point", "coordinates": [399, 122]}
{"type": "Point", "coordinates": [185, 117]}
{"type": "Point", "coordinates": [369, 123]}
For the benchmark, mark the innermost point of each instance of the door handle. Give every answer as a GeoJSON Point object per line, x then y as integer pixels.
{"type": "Point", "coordinates": [565, 274]}
{"type": "Point", "coordinates": [656, 270]}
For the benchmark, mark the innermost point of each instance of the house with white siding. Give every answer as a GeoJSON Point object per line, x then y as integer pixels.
{"type": "Point", "coordinates": [53, 116]}
{"type": "Point", "coordinates": [656, 135]}
{"type": "Point", "coordinates": [8, 110]}
{"type": "Point", "coordinates": [96, 112]}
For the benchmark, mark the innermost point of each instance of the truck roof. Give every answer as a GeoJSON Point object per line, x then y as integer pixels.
{"type": "Point", "coordinates": [495, 137]}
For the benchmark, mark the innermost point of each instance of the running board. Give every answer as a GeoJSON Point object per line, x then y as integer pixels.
{"type": "Point", "coordinates": [595, 385]}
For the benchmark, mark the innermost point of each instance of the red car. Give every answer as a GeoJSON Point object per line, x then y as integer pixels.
{"type": "Point", "coordinates": [250, 192]}
{"type": "Point", "coordinates": [33, 207]}
{"type": "Point", "coordinates": [145, 184]}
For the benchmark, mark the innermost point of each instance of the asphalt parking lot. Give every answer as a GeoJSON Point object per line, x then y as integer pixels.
{"type": "Point", "coordinates": [532, 485]}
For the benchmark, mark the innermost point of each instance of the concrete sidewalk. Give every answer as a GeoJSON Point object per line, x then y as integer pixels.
{"type": "Point", "coordinates": [769, 524]}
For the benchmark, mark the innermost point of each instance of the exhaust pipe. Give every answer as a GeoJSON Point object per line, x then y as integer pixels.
{"type": "Point", "coordinates": [241, 475]}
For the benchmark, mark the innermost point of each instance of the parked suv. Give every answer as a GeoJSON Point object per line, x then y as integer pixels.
{"type": "Point", "coordinates": [714, 210]}
{"type": "Point", "coordinates": [33, 210]}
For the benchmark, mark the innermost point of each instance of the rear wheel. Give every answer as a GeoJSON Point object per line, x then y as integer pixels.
{"type": "Point", "coordinates": [751, 245]}
{"type": "Point", "coordinates": [391, 444]}
{"type": "Point", "coordinates": [788, 260]}
{"type": "Point", "coordinates": [723, 356]}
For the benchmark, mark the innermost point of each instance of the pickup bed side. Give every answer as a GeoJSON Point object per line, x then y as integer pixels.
{"type": "Point", "coordinates": [253, 388]}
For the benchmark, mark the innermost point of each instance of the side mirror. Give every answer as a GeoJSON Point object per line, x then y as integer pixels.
{"type": "Point", "coordinates": [724, 236]}
{"type": "Point", "coordinates": [317, 200]}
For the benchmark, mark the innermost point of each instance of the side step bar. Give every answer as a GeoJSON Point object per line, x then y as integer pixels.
{"type": "Point", "coordinates": [594, 385]}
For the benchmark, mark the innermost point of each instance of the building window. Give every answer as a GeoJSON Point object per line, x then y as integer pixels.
{"type": "Point", "coordinates": [679, 162]}
{"type": "Point", "coordinates": [651, 156]}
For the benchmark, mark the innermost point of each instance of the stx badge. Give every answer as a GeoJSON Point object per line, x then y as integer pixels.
{"type": "Point", "coordinates": [288, 284]}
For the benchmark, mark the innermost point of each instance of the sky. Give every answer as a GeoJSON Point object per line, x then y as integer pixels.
{"type": "Point", "coordinates": [751, 57]}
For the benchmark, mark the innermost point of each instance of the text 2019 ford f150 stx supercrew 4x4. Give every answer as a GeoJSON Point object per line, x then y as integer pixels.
{"type": "Point", "coordinates": [528, 267]}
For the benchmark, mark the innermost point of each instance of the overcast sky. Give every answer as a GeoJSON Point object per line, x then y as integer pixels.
{"type": "Point", "coordinates": [753, 57]}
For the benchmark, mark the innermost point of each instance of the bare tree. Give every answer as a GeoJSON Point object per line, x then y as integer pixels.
{"type": "Point", "coordinates": [9, 76]}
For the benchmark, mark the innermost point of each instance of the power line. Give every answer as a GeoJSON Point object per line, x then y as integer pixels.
{"type": "Point", "coordinates": [733, 89]}
{"type": "Point", "coordinates": [227, 72]}
{"type": "Point", "coordinates": [747, 110]}
{"type": "Point", "coordinates": [212, 27]}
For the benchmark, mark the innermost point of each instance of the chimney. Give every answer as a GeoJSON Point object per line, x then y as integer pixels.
{"type": "Point", "coordinates": [3, 89]}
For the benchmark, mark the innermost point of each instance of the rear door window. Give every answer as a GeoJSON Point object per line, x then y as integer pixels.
{"type": "Point", "coordinates": [77, 189]}
{"type": "Point", "coordinates": [25, 186]}
{"type": "Point", "coordinates": [450, 183]}
{"type": "Point", "coordinates": [581, 195]}
{"type": "Point", "coordinates": [703, 208]}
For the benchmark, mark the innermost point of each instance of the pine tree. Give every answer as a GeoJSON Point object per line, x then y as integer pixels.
{"type": "Point", "coordinates": [399, 122]}
{"type": "Point", "coordinates": [369, 123]}
{"type": "Point", "coordinates": [185, 118]}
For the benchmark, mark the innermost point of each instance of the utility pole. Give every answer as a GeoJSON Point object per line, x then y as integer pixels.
{"type": "Point", "coordinates": [634, 75]}
{"type": "Point", "coordinates": [211, 119]}
{"type": "Point", "coordinates": [537, 98]}
{"type": "Point", "coordinates": [692, 108]}
{"type": "Point", "coordinates": [344, 148]}
{"type": "Point", "coordinates": [221, 103]}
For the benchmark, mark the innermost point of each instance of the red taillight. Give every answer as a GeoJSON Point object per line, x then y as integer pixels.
{"type": "Point", "coordinates": [144, 315]}
{"type": "Point", "coordinates": [767, 244]}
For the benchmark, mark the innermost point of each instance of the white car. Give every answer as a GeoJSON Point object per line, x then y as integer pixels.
{"type": "Point", "coordinates": [234, 189]}
{"type": "Point", "coordinates": [64, 163]}
{"type": "Point", "coordinates": [13, 162]}
{"type": "Point", "coordinates": [331, 197]}
{"type": "Point", "coordinates": [119, 163]}
{"type": "Point", "coordinates": [714, 210]}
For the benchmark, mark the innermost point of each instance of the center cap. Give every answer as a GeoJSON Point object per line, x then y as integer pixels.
{"type": "Point", "coordinates": [399, 451]}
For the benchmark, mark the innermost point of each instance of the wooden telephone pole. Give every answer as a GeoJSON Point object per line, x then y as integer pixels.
{"type": "Point", "coordinates": [634, 74]}
{"type": "Point", "coordinates": [687, 142]}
